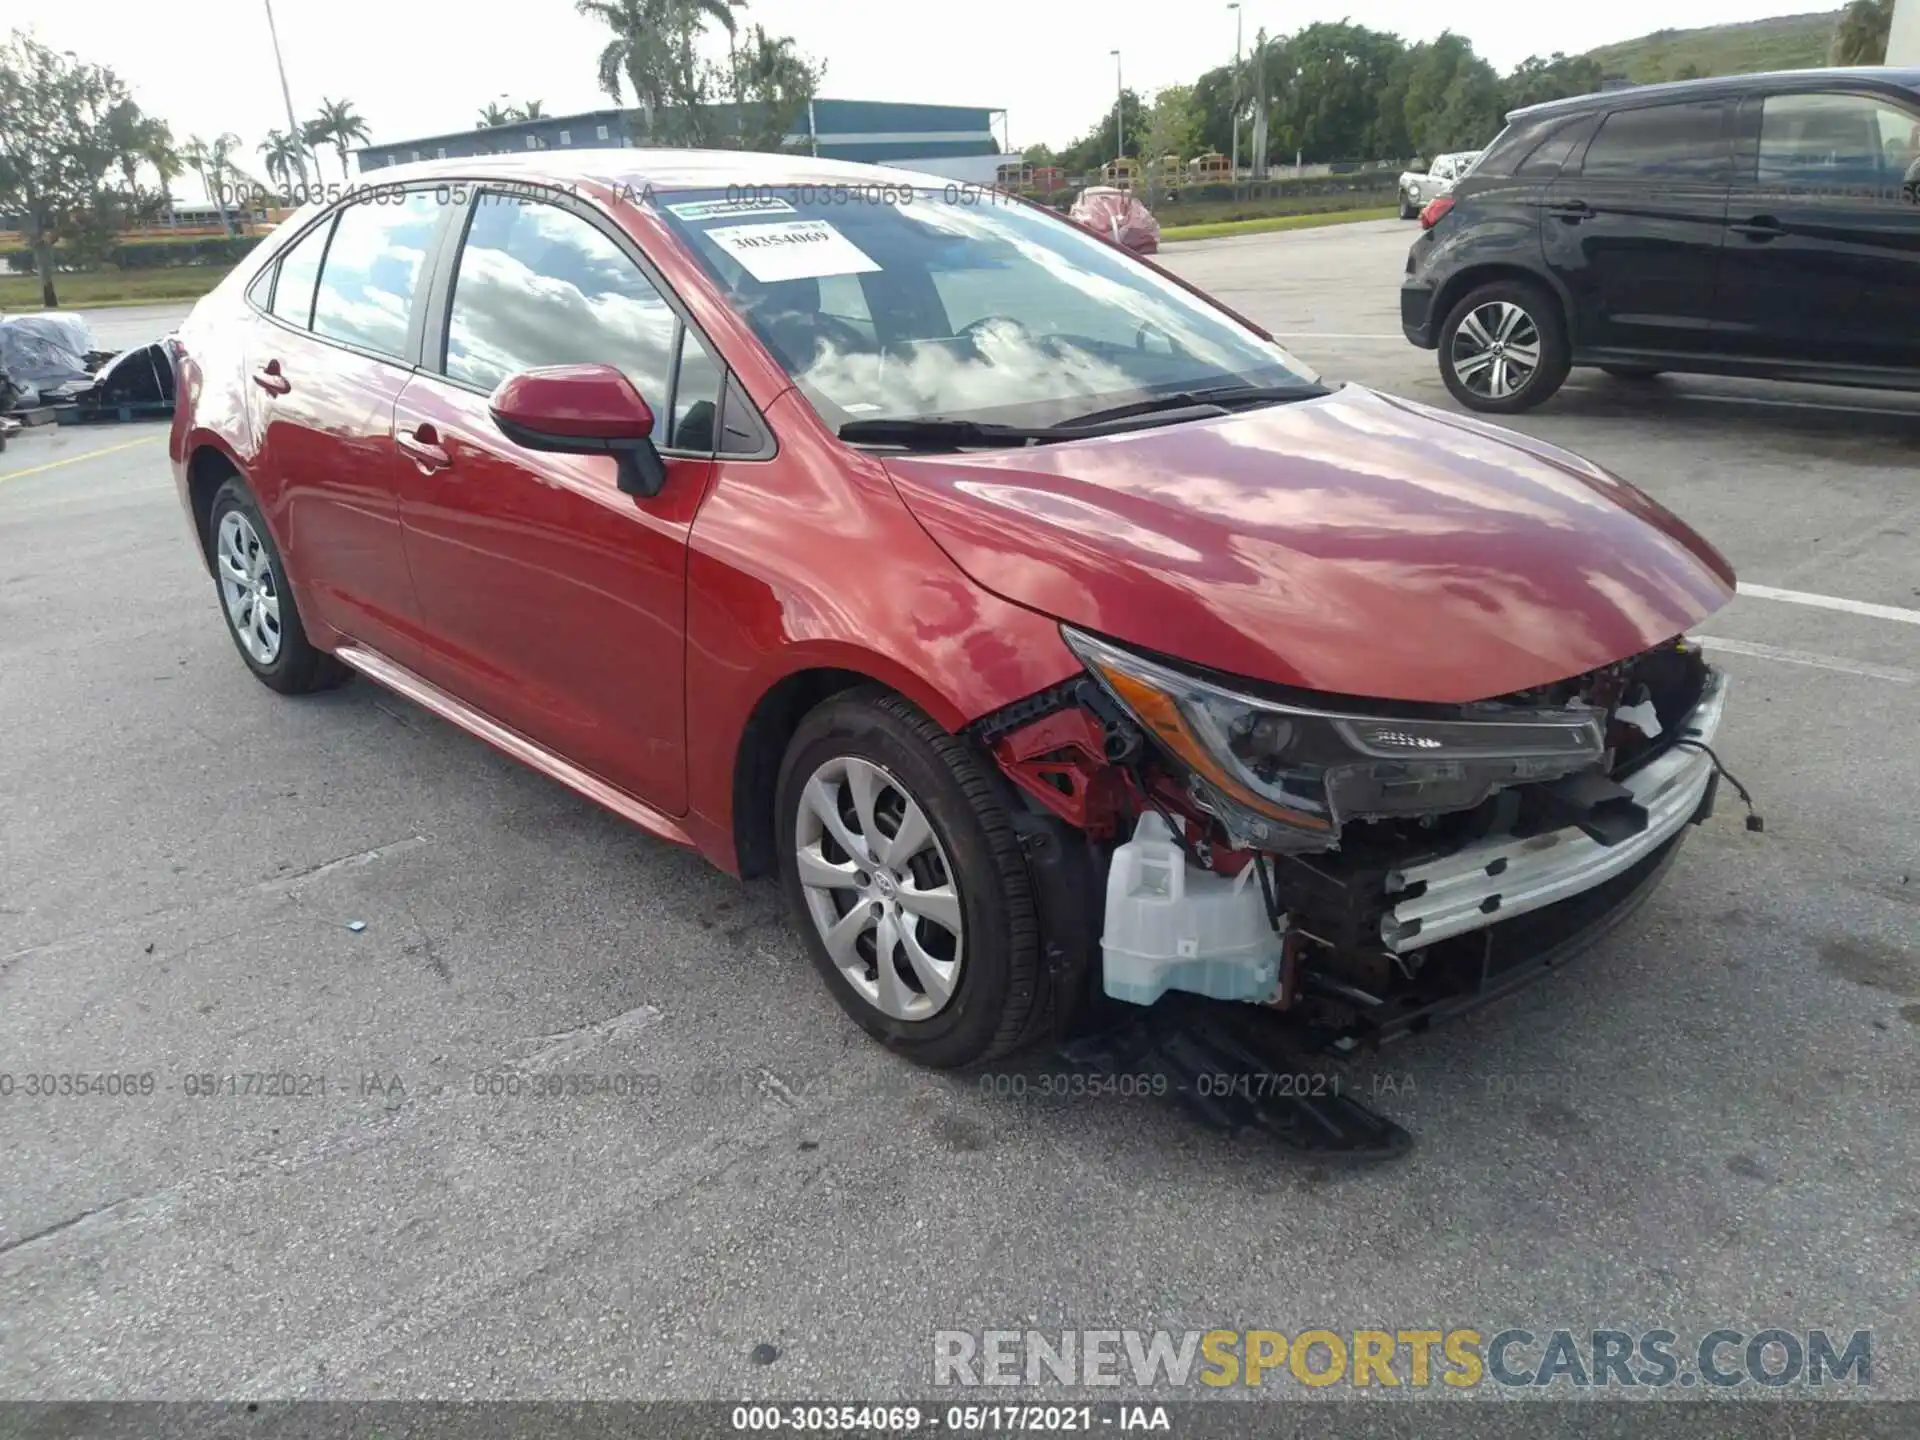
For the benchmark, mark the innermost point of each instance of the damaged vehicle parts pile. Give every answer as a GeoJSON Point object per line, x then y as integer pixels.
{"type": "Point", "coordinates": [1079, 660]}
{"type": "Point", "coordinates": [51, 374]}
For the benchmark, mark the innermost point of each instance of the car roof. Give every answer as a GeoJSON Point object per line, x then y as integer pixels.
{"type": "Point", "coordinates": [1836, 78]}
{"type": "Point", "coordinates": [635, 169]}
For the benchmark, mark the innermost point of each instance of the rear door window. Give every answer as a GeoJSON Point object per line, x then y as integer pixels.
{"type": "Point", "coordinates": [1682, 141]}
{"type": "Point", "coordinates": [372, 271]}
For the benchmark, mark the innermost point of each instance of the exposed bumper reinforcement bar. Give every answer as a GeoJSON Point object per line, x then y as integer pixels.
{"type": "Point", "coordinates": [1495, 879]}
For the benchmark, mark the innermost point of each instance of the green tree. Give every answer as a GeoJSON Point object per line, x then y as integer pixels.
{"type": "Point", "coordinates": [65, 127]}
{"type": "Point", "coordinates": [1173, 126]}
{"type": "Point", "coordinates": [1860, 37]}
{"type": "Point", "coordinates": [1324, 85]}
{"type": "Point", "coordinates": [532, 110]}
{"type": "Point", "coordinates": [1213, 110]}
{"type": "Point", "coordinates": [220, 175]}
{"type": "Point", "coordinates": [494, 116]}
{"type": "Point", "coordinates": [1452, 98]}
{"type": "Point", "coordinates": [338, 125]}
{"type": "Point", "coordinates": [1535, 81]}
{"type": "Point", "coordinates": [1090, 154]}
{"type": "Point", "coordinates": [282, 156]}
{"type": "Point", "coordinates": [769, 82]}
{"type": "Point", "coordinates": [162, 157]}
{"type": "Point", "coordinates": [652, 49]}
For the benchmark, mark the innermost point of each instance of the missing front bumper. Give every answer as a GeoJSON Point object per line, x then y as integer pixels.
{"type": "Point", "coordinates": [1493, 880]}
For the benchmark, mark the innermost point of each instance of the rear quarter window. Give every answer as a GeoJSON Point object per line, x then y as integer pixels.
{"type": "Point", "coordinates": [1556, 147]}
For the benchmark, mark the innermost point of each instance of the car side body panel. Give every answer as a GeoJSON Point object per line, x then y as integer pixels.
{"type": "Point", "coordinates": [811, 561]}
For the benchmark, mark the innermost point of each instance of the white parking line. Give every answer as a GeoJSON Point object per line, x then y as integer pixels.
{"type": "Point", "coordinates": [1831, 602]}
{"type": "Point", "coordinates": [1807, 657]}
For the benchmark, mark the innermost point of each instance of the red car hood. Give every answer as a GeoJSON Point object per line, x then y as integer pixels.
{"type": "Point", "coordinates": [1356, 544]}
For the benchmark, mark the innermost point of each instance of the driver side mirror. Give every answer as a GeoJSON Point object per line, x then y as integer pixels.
{"type": "Point", "coordinates": [583, 410]}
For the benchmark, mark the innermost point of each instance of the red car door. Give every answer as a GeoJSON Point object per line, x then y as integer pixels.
{"type": "Point", "coordinates": [327, 358]}
{"type": "Point", "coordinates": [552, 601]}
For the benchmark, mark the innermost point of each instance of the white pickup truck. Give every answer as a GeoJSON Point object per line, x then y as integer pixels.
{"type": "Point", "coordinates": [1418, 187]}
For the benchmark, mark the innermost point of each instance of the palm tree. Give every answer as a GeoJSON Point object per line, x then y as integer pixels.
{"type": "Point", "coordinates": [771, 82]}
{"type": "Point", "coordinates": [158, 150]}
{"type": "Point", "coordinates": [227, 177]}
{"type": "Point", "coordinates": [337, 125]}
{"type": "Point", "coordinates": [283, 156]}
{"type": "Point", "coordinates": [652, 45]}
{"type": "Point", "coordinates": [198, 156]}
{"type": "Point", "coordinates": [532, 110]}
{"type": "Point", "coordinates": [494, 115]}
{"type": "Point", "coordinates": [1861, 36]}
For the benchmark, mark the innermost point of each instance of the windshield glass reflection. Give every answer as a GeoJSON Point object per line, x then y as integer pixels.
{"type": "Point", "coordinates": [961, 304]}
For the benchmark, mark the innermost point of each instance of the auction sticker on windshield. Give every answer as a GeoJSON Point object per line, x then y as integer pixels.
{"type": "Point", "coordinates": [715, 209]}
{"type": "Point", "coordinates": [792, 250]}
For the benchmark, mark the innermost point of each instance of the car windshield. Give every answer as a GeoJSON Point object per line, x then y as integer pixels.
{"type": "Point", "coordinates": [889, 303]}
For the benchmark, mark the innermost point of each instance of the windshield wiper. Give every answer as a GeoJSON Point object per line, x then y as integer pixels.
{"type": "Point", "coordinates": [937, 433]}
{"type": "Point", "coordinates": [1220, 400]}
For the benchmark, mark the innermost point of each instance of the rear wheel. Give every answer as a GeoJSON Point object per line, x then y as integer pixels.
{"type": "Point", "coordinates": [908, 883]}
{"type": "Point", "coordinates": [1504, 348]}
{"type": "Point", "coordinates": [258, 602]}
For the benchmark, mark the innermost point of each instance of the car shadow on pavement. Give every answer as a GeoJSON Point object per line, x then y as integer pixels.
{"type": "Point", "coordinates": [1712, 405]}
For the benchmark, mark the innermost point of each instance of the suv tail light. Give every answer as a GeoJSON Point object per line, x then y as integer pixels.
{"type": "Point", "coordinates": [1436, 207]}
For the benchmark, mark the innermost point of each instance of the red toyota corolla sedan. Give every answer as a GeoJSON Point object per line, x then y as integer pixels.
{"type": "Point", "coordinates": [1051, 631]}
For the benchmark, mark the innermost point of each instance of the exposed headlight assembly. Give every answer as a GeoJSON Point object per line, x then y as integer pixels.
{"type": "Point", "coordinates": [1287, 777]}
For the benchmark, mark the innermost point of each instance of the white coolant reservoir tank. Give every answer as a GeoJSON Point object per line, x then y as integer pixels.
{"type": "Point", "coordinates": [1173, 926]}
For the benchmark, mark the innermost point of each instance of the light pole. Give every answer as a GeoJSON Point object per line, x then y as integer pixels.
{"type": "Point", "coordinates": [1119, 111]}
{"type": "Point", "coordinates": [1235, 7]}
{"type": "Point", "coordinates": [293, 125]}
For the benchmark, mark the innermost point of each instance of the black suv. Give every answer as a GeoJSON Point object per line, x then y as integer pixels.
{"type": "Point", "coordinates": [1759, 225]}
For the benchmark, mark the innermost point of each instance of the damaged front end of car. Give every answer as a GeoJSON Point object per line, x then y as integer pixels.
{"type": "Point", "coordinates": [1358, 867]}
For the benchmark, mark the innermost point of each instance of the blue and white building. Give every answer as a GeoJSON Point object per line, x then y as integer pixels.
{"type": "Point", "coordinates": [961, 142]}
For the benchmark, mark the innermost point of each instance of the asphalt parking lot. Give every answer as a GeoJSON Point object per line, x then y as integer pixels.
{"type": "Point", "coordinates": [1709, 1122]}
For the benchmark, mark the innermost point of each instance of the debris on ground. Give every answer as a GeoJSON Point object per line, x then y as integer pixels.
{"type": "Point", "coordinates": [50, 373]}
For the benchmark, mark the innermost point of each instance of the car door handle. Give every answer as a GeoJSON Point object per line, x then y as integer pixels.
{"type": "Point", "coordinates": [424, 448]}
{"type": "Point", "coordinates": [1571, 211]}
{"type": "Point", "coordinates": [269, 379]}
{"type": "Point", "coordinates": [1760, 227]}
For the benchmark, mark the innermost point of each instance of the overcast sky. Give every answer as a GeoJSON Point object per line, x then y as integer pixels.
{"type": "Point", "coordinates": [420, 67]}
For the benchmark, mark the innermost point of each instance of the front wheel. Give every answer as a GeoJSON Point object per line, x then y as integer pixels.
{"type": "Point", "coordinates": [1409, 207]}
{"type": "Point", "coordinates": [1504, 348]}
{"type": "Point", "coordinates": [904, 873]}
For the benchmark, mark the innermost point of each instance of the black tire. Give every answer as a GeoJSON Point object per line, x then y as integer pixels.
{"type": "Point", "coordinates": [297, 668]}
{"type": "Point", "coordinates": [1000, 1000]}
{"type": "Point", "coordinates": [1631, 372]}
{"type": "Point", "coordinates": [1408, 210]}
{"type": "Point", "coordinates": [1542, 310]}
